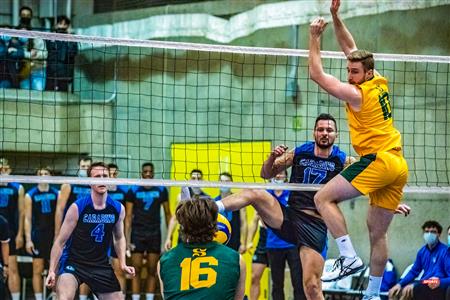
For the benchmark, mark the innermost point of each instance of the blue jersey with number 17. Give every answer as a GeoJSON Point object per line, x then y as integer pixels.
{"type": "Point", "coordinates": [91, 239]}
{"type": "Point", "coordinates": [308, 168]}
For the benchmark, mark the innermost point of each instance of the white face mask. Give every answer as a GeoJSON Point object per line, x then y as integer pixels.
{"type": "Point", "coordinates": [430, 238]}
{"type": "Point", "coordinates": [82, 173]}
{"type": "Point", "coordinates": [197, 190]}
{"type": "Point", "coordinates": [277, 181]}
{"type": "Point", "coordinates": [225, 189]}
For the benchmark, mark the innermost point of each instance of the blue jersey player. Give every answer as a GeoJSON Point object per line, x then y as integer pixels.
{"type": "Point", "coordinates": [11, 208]}
{"type": "Point", "coordinates": [143, 229]}
{"type": "Point", "coordinates": [91, 223]}
{"type": "Point", "coordinates": [299, 223]}
{"type": "Point", "coordinates": [40, 207]}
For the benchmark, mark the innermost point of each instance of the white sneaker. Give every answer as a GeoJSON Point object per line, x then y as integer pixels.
{"type": "Point", "coordinates": [343, 267]}
{"type": "Point", "coordinates": [371, 297]}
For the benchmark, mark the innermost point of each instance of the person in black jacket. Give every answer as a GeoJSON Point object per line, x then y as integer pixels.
{"type": "Point", "coordinates": [60, 59]}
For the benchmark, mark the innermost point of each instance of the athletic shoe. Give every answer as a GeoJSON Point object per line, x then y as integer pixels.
{"type": "Point", "coordinates": [371, 297]}
{"type": "Point", "coordinates": [343, 267]}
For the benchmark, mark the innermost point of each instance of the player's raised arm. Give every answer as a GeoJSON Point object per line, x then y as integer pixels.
{"type": "Point", "coordinates": [343, 91]}
{"type": "Point", "coordinates": [343, 36]}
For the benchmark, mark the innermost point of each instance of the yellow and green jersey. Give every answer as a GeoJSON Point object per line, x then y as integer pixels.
{"type": "Point", "coordinates": [200, 271]}
{"type": "Point", "coordinates": [372, 129]}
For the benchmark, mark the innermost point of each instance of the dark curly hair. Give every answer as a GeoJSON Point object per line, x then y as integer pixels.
{"type": "Point", "coordinates": [198, 220]}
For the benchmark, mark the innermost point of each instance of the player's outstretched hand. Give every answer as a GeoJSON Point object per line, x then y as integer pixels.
{"type": "Point", "coordinates": [279, 150]}
{"type": "Point", "coordinates": [334, 7]}
{"type": "Point", "coordinates": [403, 209]}
{"type": "Point", "coordinates": [51, 280]}
{"type": "Point", "coordinates": [317, 27]}
{"type": "Point", "coordinates": [128, 270]}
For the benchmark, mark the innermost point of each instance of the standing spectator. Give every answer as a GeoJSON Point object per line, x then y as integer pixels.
{"type": "Point", "coordinates": [143, 229]}
{"type": "Point", "coordinates": [12, 209]}
{"type": "Point", "coordinates": [29, 54]}
{"type": "Point", "coordinates": [195, 174]}
{"type": "Point", "coordinates": [238, 218]}
{"type": "Point", "coordinates": [40, 207]}
{"type": "Point", "coordinates": [7, 67]}
{"type": "Point", "coordinates": [60, 59]}
{"type": "Point", "coordinates": [428, 260]}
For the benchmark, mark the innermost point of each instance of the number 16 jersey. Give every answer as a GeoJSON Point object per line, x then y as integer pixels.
{"type": "Point", "coordinates": [200, 271]}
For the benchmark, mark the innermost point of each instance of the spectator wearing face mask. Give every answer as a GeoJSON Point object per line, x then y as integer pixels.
{"type": "Point", "coordinates": [238, 218]}
{"type": "Point", "coordinates": [29, 54]}
{"type": "Point", "coordinates": [428, 260]}
{"type": "Point", "coordinates": [61, 59]}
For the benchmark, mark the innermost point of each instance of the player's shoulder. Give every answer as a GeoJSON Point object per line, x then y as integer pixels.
{"type": "Point", "coordinates": [115, 204]}
{"type": "Point", "coordinates": [32, 191]}
{"type": "Point", "coordinates": [337, 152]}
{"type": "Point", "coordinates": [307, 147]}
{"type": "Point", "coordinates": [15, 185]}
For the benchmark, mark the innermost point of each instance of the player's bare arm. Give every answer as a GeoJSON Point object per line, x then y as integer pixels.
{"type": "Point", "coordinates": [343, 35]}
{"type": "Point", "coordinates": [63, 196]}
{"type": "Point", "coordinates": [279, 160]}
{"type": "Point", "coordinates": [343, 91]}
{"type": "Point", "coordinates": [120, 244]}
{"type": "Point", "coordinates": [70, 222]}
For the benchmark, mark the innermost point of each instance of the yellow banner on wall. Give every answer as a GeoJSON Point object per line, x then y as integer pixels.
{"type": "Point", "coordinates": [243, 160]}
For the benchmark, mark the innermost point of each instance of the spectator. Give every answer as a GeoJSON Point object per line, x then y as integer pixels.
{"type": "Point", "coordinates": [60, 59]}
{"type": "Point", "coordinates": [12, 209]}
{"type": "Point", "coordinates": [237, 218]}
{"type": "Point", "coordinates": [197, 175]}
{"type": "Point", "coordinates": [7, 68]}
{"type": "Point", "coordinates": [29, 55]}
{"type": "Point", "coordinates": [438, 287]}
{"type": "Point", "coordinates": [260, 260]}
{"type": "Point", "coordinates": [428, 259]}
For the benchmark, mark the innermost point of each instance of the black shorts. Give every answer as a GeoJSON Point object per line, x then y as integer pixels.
{"type": "Point", "coordinates": [260, 257]}
{"type": "Point", "coordinates": [42, 241]}
{"type": "Point", "coordinates": [150, 243]}
{"type": "Point", "coordinates": [301, 229]}
{"type": "Point", "coordinates": [100, 279]}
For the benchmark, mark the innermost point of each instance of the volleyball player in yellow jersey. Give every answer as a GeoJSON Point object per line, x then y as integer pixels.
{"type": "Point", "coordinates": [381, 171]}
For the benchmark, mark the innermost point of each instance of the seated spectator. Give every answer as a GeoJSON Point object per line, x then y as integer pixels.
{"type": "Point", "coordinates": [428, 259]}
{"type": "Point", "coordinates": [438, 287]}
{"type": "Point", "coordinates": [61, 59]}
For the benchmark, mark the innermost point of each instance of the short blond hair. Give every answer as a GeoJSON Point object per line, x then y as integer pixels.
{"type": "Point", "coordinates": [364, 56]}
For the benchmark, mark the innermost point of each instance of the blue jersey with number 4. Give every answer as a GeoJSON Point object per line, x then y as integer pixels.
{"type": "Point", "coordinates": [310, 169]}
{"type": "Point", "coordinates": [93, 234]}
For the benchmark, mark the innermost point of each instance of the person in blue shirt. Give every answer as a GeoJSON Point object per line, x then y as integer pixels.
{"type": "Point", "coordinates": [143, 229]}
{"type": "Point", "coordinates": [438, 287]}
{"type": "Point", "coordinates": [428, 260]}
{"type": "Point", "coordinates": [81, 249]}
{"type": "Point", "coordinates": [279, 252]}
{"type": "Point", "coordinates": [314, 162]}
{"type": "Point", "coordinates": [238, 218]}
{"type": "Point", "coordinates": [12, 197]}
{"type": "Point", "coordinates": [40, 207]}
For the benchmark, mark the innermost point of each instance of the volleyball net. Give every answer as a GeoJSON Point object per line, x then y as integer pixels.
{"type": "Point", "coordinates": [215, 108]}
